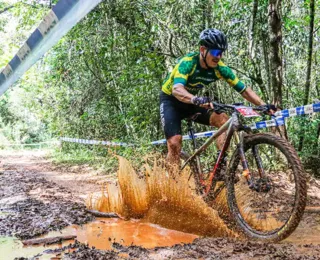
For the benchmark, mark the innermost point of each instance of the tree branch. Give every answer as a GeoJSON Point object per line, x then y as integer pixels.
{"type": "Point", "coordinates": [6, 9]}
{"type": "Point", "coordinates": [316, 30]}
{"type": "Point", "coordinates": [257, 80]}
{"type": "Point", "coordinates": [94, 73]}
{"type": "Point", "coordinates": [170, 45]}
{"type": "Point", "coordinates": [23, 3]}
{"type": "Point", "coordinates": [161, 53]}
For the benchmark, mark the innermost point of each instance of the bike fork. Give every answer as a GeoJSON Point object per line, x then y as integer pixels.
{"type": "Point", "coordinates": [258, 160]}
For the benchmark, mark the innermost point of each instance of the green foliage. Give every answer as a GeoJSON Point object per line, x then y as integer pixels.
{"type": "Point", "coordinates": [102, 80]}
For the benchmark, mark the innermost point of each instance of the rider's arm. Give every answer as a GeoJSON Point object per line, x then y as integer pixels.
{"type": "Point", "coordinates": [180, 93]}
{"type": "Point", "coordinates": [252, 97]}
{"type": "Point", "coordinates": [227, 74]}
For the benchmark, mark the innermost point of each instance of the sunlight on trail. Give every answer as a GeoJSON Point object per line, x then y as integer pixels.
{"type": "Point", "coordinates": [159, 199]}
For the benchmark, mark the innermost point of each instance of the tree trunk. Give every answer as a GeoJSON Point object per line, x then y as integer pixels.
{"type": "Point", "coordinates": [275, 37]}
{"type": "Point", "coordinates": [265, 48]}
{"type": "Point", "coordinates": [310, 50]}
{"type": "Point", "coordinates": [275, 56]}
{"type": "Point", "coordinates": [206, 14]}
{"type": "Point", "coordinates": [317, 141]}
{"type": "Point", "coordinates": [252, 29]}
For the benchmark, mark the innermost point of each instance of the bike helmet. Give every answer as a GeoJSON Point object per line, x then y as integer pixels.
{"type": "Point", "coordinates": [213, 39]}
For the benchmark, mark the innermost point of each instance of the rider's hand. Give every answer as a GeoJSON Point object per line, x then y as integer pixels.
{"type": "Point", "coordinates": [270, 109]}
{"type": "Point", "coordinates": [204, 102]}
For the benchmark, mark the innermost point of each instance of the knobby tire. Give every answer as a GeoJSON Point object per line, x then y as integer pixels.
{"type": "Point", "coordinates": [300, 188]}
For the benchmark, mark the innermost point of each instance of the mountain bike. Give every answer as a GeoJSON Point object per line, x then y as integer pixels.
{"type": "Point", "coordinates": [264, 179]}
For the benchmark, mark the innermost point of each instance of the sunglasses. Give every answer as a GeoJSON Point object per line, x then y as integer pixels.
{"type": "Point", "coordinates": [216, 53]}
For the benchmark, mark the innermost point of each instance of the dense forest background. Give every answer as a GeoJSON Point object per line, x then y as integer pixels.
{"type": "Point", "coordinates": [102, 80]}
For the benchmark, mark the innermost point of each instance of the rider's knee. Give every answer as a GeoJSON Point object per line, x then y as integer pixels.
{"type": "Point", "coordinates": [174, 143]}
{"type": "Point", "coordinates": [218, 120]}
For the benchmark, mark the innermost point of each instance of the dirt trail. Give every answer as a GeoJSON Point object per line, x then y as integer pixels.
{"type": "Point", "coordinates": [37, 197]}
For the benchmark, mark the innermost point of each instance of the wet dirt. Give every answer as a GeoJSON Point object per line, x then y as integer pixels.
{"type": "Point", "coordinates": [37, 197]}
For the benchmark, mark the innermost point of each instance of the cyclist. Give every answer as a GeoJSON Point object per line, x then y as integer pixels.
{"type": "Point", "coordinates": [193, 72]}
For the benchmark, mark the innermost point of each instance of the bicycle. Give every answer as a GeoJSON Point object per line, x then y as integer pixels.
{"type": "Point", "coordinates": [263, 166]}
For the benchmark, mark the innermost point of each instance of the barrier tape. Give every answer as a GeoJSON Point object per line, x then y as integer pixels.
{"type": "Point", "coordinates": [278, 121]}
{"type": "Point", "coordinates": [33, 144]}
{"type": "Point", "coordinates": [84, 141]}
{"type": "Point", "coordinates": [63, 16]}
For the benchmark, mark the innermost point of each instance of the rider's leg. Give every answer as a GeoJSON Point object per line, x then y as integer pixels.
{"type": "Point", "coordinates": [174, 149]}
{"type": "Point", "coordinates": [171, 113]}
{"type": "Point", "coordinates": [218, 120]}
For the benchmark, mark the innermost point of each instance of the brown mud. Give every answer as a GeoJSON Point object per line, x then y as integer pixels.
{"type": "Point", "coordinates": [37, 197]}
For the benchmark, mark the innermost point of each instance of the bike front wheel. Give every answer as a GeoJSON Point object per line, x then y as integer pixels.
{"type": "Point", "coordinates": [271, 207]}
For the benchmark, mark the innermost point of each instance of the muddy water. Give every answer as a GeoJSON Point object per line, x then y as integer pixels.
{"type": "Point", "coordinates": [169, 201]}
{"type": "Point", "coordinates": [172, 203]}
{"type": "Point", "coordinates": [11, 248]}
{"type": "Point", "coordinates": [101, 234]}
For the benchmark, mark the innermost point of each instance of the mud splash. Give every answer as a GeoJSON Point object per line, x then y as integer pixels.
{"type": "Point", "coordinates": [161, 199]}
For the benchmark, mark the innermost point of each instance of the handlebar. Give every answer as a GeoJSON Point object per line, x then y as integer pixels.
{"type": "Point", "coordinates": [236, 105]}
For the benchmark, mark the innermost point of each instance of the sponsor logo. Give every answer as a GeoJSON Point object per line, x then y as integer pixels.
{"type": "Point", "coordinates": [203, 78]}
{"type": "Point", "coordinates": [162, 115]}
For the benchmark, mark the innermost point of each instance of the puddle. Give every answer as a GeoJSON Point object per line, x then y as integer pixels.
{"type": "Point", "coordinates": [11, 248]}
{"type": "Point", "coordinates": [160, 199]}
{"type": "Point", "coordinates": [101, 234]}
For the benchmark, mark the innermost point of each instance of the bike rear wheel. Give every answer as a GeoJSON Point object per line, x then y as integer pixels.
{"type": "Point", "coordinates": [273, 209]}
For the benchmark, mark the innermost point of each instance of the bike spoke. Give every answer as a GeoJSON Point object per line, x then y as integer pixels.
{"type": "Point", "coordinates": [267, 207]}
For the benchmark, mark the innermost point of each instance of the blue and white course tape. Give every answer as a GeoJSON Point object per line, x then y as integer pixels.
{"type": "Point", "coordinates": [84, 141]}
{"type": "Point", "coordinates": [63, 16]}
{"type": "Point", "coordinates": [279, 120]}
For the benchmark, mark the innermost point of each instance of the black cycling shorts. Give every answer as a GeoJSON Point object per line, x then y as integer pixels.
{"type": "Point", "coordinates": [172, 111]}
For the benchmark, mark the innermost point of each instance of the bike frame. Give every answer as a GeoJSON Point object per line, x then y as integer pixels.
{"type": "Point", "coordinates": [232, 127]}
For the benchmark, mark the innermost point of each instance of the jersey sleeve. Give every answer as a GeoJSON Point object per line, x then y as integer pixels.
{"type": "Point", "coordinates": [182, 71]}
{"type": "Point", "coordinates": [224, 72]}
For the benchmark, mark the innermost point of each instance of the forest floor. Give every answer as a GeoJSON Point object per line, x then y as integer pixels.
{"type": "Point", "coordinates": [37, 196]}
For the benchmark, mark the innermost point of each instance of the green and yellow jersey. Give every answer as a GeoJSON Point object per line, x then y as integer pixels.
{"type": "Point", "coordinates": [189, 73]}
